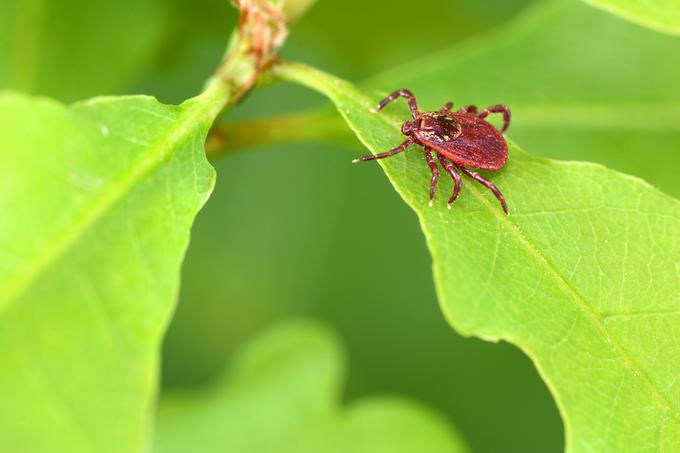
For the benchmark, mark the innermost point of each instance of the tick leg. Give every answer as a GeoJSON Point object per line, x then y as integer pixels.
{"type": "Point", "coordinates": [499, 108]}
{"type": "Point", "coordinates": [449, 167]}
{"type": "Point", "coordinates": [447, 107]}
{"type": "Point", "coordinates": [401, 93]}
{"type": "Point", "coordinates": [488, 184]}
{"type": "Point", "coordinates": [469, 109]}
{"type": "Point", "coordinates": [389, 153]}
{"type": "Point", "coordinates": [435, 173]}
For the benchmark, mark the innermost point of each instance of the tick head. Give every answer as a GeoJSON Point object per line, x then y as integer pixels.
{"type": "Point", "coordinates": [409, 127]}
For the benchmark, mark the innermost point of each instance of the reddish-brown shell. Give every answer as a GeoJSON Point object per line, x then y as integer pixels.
{"type": "Point", "coordinates": [463, 138]}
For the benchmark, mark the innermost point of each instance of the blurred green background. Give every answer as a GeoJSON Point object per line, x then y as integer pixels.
{"type": "Point", "coordinates": [295, 230]}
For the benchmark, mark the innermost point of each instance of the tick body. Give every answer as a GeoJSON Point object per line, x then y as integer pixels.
{"type": "Point", "coordinates": [460, 139]}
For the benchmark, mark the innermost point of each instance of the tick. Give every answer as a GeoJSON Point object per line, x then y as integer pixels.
{"type": "Point", "coordinates": [460, 139]}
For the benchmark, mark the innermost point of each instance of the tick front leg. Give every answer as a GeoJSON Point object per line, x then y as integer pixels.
{"type": "Point", "coordinates": [488, 184]}
{"type": "Point", "coordinates": [389, 153]}
{"type": "Point", "coordinates": [447, 107]}
{"type": "Point", "coordinates": [449, 167]}
{"type": "Point", "coordinates": [401, 93]}
{"type": "Point", "coordinates": [435, 173]}
{"type": "Point", "coordinates": [499, 108]}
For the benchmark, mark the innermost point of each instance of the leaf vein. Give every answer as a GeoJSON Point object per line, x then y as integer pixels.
{"type": "Point", "coordinates": [108, 197]}
{"type": "Point", "coordinates": [590, 315]}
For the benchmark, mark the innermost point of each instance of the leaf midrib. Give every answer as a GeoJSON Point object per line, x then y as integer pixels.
{"type": "Point", "coordinates": [187, 123]}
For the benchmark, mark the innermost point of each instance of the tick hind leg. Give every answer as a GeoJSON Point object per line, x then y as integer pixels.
{"type": "Point", "coordinates": [488, 184]}
{"type": "Point", "coordinates": [499, 108]}
{"type": "Point", "coordinates": [435, 173]}
{"type": "Point", "coordinates": [451, 169]}
{"type": "Point", "coordinates": [389, 153]}
{"type": "Point", "coordinates": [469, 109]}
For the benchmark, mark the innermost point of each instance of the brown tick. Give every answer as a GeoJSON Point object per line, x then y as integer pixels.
{"type": "Point", "coordinates": [460, 139]}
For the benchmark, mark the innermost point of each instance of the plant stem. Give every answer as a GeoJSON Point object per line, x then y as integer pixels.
{"type": "Point", "coordinates": [312, 125]}
{"type": "Point", "coordinates": [251, 51]}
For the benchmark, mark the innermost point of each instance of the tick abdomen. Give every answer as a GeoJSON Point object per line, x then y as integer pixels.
{"type": "Point", "coordinates": [476, 142]}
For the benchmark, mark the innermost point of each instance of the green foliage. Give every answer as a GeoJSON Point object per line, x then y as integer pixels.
{"type": "Point", "coordinates": [663, 15]}
{"type": "Point", "coordinates": [101, 196]}
{"type": "Point", "coordinates": [377, 39]}
{"type": "Point", "coordinates": [98, 199]}
{"type": "Point", "coordinates": [73, 49]}
{"type": "Point", "coordinates": [282, 395]}
{"type": "Point", "coordinates": [554, 277]}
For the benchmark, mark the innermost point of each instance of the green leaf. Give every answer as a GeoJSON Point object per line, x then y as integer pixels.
{"type": "Point", "coordinates": [282, 395]}
{"type": "Point", "coordinates": [581, 84]}
{"type": "Point", "coordinates": [98, 199]}
{"type": "Point", "coordinates": [73, 49]}
{"type": "Point", "coordinates": [583, 275]}
{"type": "Point", "coordinates": [662, 15]}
